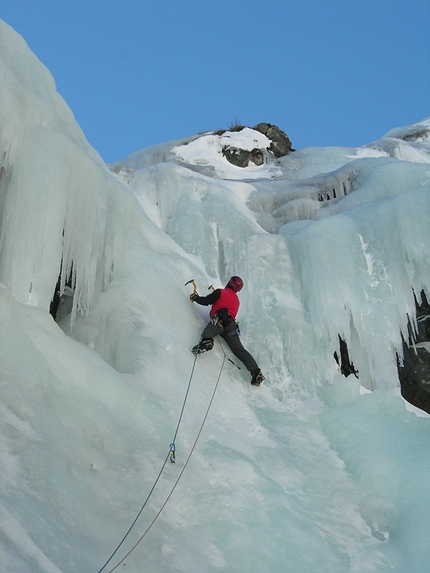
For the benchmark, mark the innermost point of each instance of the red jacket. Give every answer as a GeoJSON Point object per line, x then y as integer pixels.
{"type": "Point", "coordinates": [221, 298]}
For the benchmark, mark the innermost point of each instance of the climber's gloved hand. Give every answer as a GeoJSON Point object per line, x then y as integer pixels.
{"type": "Point", "coordinates": [193, 296]}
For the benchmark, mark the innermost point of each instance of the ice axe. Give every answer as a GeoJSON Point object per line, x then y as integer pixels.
{"type": "Point", "coordinates": [192, 281]}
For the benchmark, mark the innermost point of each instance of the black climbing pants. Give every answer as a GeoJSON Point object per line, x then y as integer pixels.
{"type": "Point", "coordinates": [230, 335]}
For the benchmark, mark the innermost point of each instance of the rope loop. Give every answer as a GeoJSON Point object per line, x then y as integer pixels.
{"type": "Point", "coordinates": [172, 457]}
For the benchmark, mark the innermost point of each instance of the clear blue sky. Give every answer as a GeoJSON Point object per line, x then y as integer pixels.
{"type": "Point", "coordinates": [140, 72]}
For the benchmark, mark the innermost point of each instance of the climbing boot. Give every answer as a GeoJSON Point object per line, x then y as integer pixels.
{"type": "Point", "coordinates": [204, 346]}
{"type": "Point", "coordinates": [257, 378]}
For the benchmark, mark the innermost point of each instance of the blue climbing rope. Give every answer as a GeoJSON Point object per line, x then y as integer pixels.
{"type": "Point", "coordinates": [170, 455]}
{"type": "Point", "coordinates": [180, 474]}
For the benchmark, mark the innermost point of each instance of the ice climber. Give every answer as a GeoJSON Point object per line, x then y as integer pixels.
{"type": "Point", "coordinates": [225, 306]}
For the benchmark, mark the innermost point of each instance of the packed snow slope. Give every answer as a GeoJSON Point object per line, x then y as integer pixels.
{"type": "Point", "coordinates": [311, 471]}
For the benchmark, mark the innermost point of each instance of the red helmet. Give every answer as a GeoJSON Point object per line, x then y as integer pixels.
{"type": "Point", "coordinates": [235, 283]}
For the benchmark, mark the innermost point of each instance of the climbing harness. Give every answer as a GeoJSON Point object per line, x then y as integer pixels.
{"type": "Point", "coordinates": [171, 456]}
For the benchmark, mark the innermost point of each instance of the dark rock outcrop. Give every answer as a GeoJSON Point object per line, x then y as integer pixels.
{"type": "Point", "coordinates": [280, 145]}
{"type": "Point", "coordinates": [414, 372]}
{"type": "Point", "coordinates": [242, 157]}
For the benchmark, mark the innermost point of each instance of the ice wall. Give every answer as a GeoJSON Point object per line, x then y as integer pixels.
{"type": "Point", "coordinates": [58, 200]}
{"type": "Point", "coordinates": [334, 242]}
{"type": "Point", "coordinates": [307, 472]}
